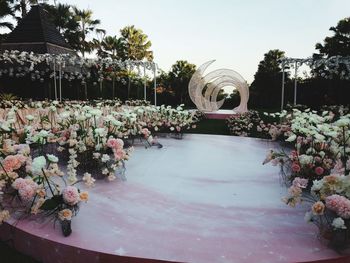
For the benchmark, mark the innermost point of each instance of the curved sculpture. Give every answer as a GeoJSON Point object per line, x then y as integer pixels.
{"type": "Point", "coordinates": [214, 82]}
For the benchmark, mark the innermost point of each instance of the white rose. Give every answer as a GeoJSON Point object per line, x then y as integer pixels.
{"type": "Point", "coordinates": [105, 158]}
{"type": "Point", "coordinates": [52, 158]}
{"type": "Point", "coordinates": [338, 223]}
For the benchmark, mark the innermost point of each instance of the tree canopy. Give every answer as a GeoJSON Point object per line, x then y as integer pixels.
{"type": "Point", "coordinates": [339, 43]}
{"type": "Point", "coordinates": [265, 89]}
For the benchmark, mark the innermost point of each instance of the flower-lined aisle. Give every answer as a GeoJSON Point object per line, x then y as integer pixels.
{"type": "Point", "coordinates": [49, 148]}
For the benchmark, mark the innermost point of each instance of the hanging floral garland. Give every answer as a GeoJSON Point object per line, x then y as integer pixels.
{"type": "Point", "coordinates": [327, 68]}
{"type": "Point", "coordinates": [17, 64]}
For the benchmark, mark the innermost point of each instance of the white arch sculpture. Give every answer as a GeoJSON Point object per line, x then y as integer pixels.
{"type": "Point", "coordinates": [215, 81]}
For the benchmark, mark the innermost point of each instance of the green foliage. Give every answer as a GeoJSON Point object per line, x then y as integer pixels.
{"type": "Point", "coordinates": [86, 26]}
{"type": "Point", "coordinates": [112, 46]}
{"type": "Point", "coordinates": [137, 44]}
{"type": "Point", "coordinates": [63, 18]}
{"type": "Point", "coordinates": [8, 97]}
{"type": "Point", "coordinates": [339, 43]}
{"type": "Point", "coordinates": [266, 87]}
{"type": "Point", "coordinates": [5, 10]}
{"type": "Point", "coordinates": [52, 203]}
{"type": "Point", "coordinates": [179, 77]}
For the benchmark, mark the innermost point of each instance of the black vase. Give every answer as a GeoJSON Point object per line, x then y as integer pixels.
{"type": "Point", "coordinates": [66, 227]}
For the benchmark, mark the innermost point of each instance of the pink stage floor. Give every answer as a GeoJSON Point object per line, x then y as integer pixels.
{"type": "Point", "coordinates": [220, 114]}
{"type": "Point", "coordinates": [205, 198]}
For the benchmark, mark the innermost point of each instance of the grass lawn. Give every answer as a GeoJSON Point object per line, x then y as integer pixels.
{"type": "Point", "coordinates": [208, 126]}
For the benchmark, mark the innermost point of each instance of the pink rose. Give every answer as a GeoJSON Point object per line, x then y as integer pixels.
{"type": "Point", "coordinates": [19, 183]}
{"type": "Point", "coordinates": [115, 143]}
{"type": "Point", "coordinates": [13, 162]}
{"type": "Point", "coordinates": [318, 159]}
{"type": "Point", "coordinates": [145, 132]}
{"type": "Point", "coordinates": [112, 143]}
{"type": "Point", "coordinates": [71, 195]}
{"type": "Point", "coordinates": [319, 170]}
{"type": "Point", "coordinates": [119, 154]}
{"type": "Point", "coordinates": [295, 167]}
{"type": "Point", "coordinates": [26, 193]}
{"type": "Point", "coordinates": [120, 144]}
{"type": "Point", "coordinates": [300, 182]}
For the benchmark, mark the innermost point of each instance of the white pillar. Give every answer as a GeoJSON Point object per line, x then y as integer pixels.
{"type": "Point", "coordinates": [145, 83]}
{"type": "Point", "coordinates": [54, 78]}
{"type": "Point", "coordinates": [295, 82]}
{"type": "Point", "coordinates": [60, 80]}
{"type": "Point", "coordinates": [283, 81]}
{"type": "Point", "coordinates": [155, 84]}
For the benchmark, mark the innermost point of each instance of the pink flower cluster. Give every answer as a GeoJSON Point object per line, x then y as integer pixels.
{"type": "Point", "coordinates": [71, 195]}
{"type": "Point", "coordinates": [339, 204]}
{"type": "Point", "coordinates": [115, 144]}
{"type": "Point", "coordinates": [13, 162]}
{"type": "Point", "coordinates": [300, 182]}
{"type": "Point", "coordinates": [26, 188]}
{"type": "Point", "coordinates": [117, 147]}
{"type": "Point", "coordinates": [146, 132]}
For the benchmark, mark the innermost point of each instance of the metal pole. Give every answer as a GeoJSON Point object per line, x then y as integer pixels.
{"type": "Point", "coordinates": [295, 83]}
{"type": "Point", "coordinates": [282, 99]}
{"type": "Point", "coordinates": [60, 80]}
{"type": "Point", "coordinates": [101, 88]}
{"type": "Point", "coordinates": [155, 84]}
{"type": "Point", "coordinates": [144, 84]}
{"type": "Point", "coordinates": [54, 78]}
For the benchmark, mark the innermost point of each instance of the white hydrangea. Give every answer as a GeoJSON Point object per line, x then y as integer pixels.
{"type": "Point", "coordinates": [38, 164]}
{"type": "Point", "coordinates": [101, 132]}
{"type": "Point", "coordinates": [29, 117]}
{"type": "Point", "coordinates": [342, 122]}
{"type": "Point", "coordinates": [305, 159]}
{"type": "Point", "coordinates": [105, 158]}
{"type": "Point", "coordinates": [317, 185]}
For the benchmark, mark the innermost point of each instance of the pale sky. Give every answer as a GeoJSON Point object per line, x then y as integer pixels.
{"type": "Point", "coordinates": [235, 33]}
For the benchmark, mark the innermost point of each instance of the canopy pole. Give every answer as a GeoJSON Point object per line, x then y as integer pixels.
{"type": "Point", "coordinates": [295, 82]}
{"type": "Point", "coordinates": [155, 84]}
{"type": "Point", "coordinates": [283, 82]}
{"type": "Point", "coordinates": [60, 80]}
{"type": "Point", "coordinates": [144, 83]}
{"type": "Point", "coordinates": [54, 78]}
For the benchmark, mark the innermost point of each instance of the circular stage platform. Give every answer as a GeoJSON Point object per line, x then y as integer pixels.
{"type": "Point", "coordinates": [204, 198]}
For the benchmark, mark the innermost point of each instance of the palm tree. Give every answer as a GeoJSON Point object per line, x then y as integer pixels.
{"type": "Point", "coordinates": [5, 10]}
{"type": "Point", "coordinates": [23, 6]}
{"type": "Point", "coordinates": [115, 48]}
{"type": "Point", "coordinates": [87, 25]}
{"type": "Point", "coordinates": [137, 45]}
{"type": "Point", "coordinates": [66, 23]}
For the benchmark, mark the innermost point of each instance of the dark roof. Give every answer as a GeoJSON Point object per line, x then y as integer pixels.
{"type": "Point", "coordinates": [35, 32]}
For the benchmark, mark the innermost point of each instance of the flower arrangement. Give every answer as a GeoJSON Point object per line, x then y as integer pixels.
{"type": "Point", "coordinates": [30, 186]}
{"type": "Point", "coordinates": [39, 138]}
{"type": "Point", "coordinates": [317, 168]}
{"type": "Point", "coordinates": [243, 124]}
